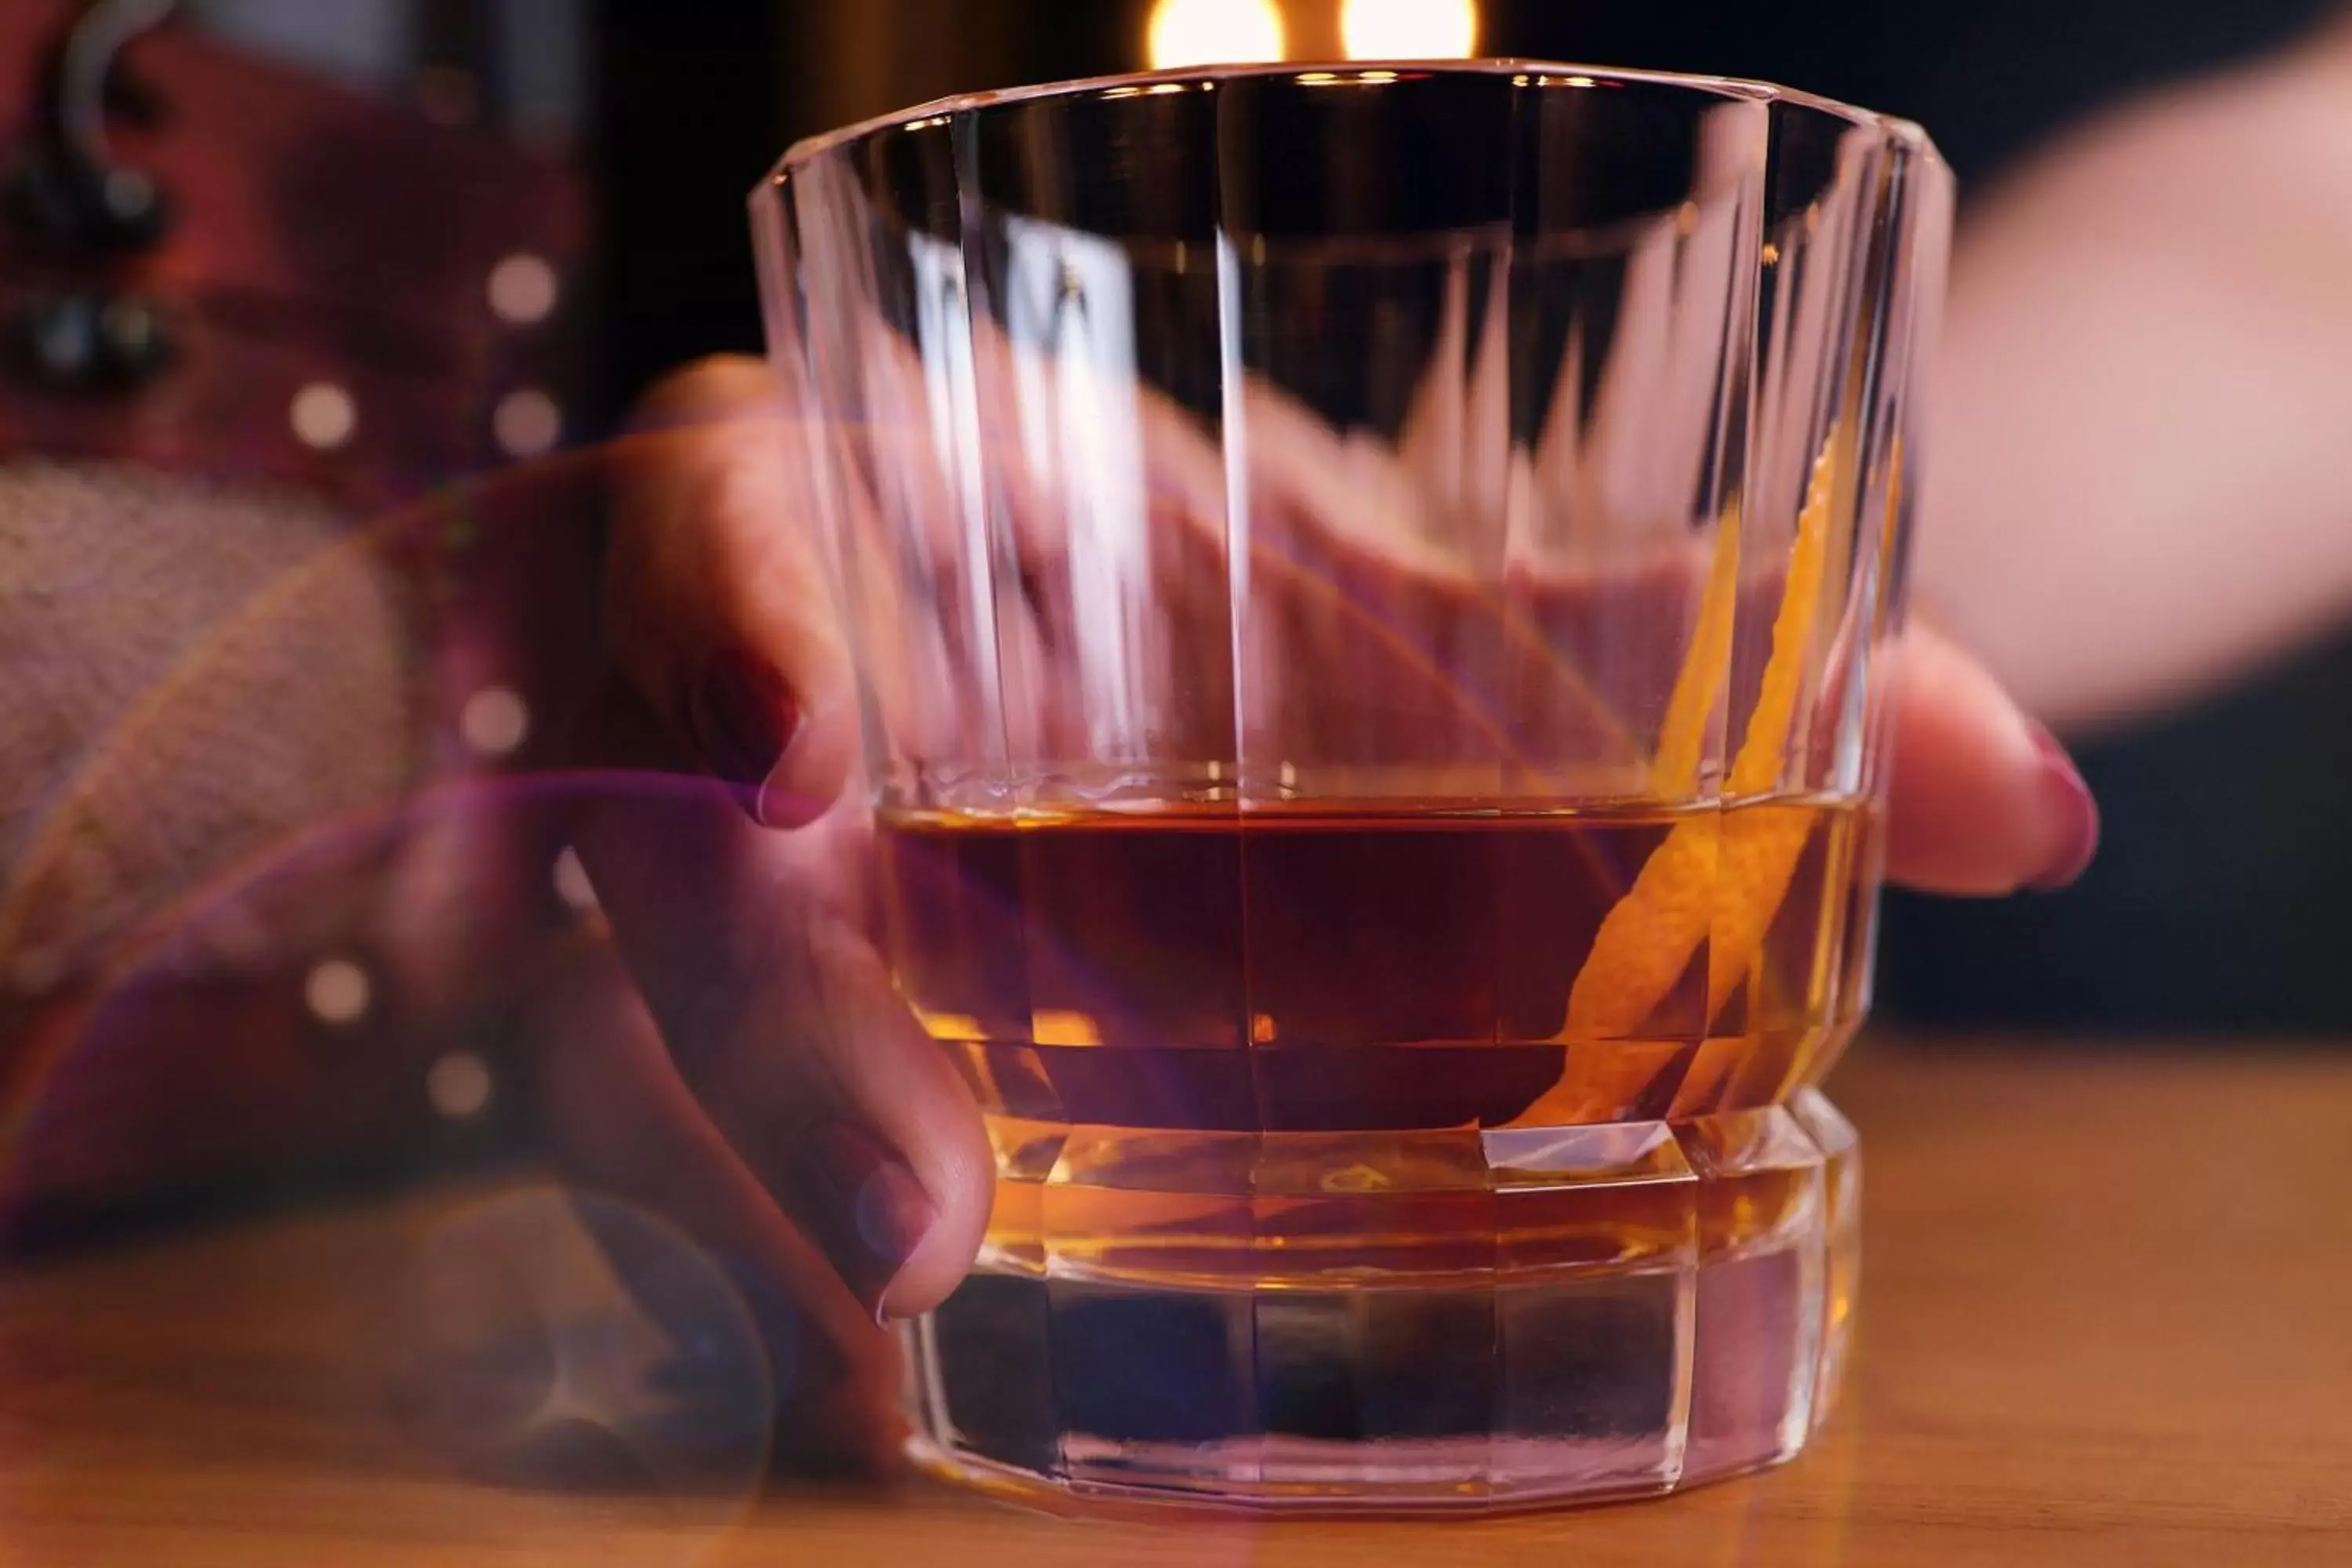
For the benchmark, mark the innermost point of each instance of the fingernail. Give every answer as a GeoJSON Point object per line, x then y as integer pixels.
{"type": "Point", "coordinates": [876, 1211]}
{"type": "Point", "coordinates": [743, 717]}
{"type": "Point", "coordinates": [2068, 806]}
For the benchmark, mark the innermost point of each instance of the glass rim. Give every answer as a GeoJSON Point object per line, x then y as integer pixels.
{"type": "Point", "coordinates": [1324, 73]}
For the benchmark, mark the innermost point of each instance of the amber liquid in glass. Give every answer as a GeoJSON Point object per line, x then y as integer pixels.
{"type": "Point", "coordinates": [1267, 1062]}
{"type": "Point", "coordinates": [1323, 970]}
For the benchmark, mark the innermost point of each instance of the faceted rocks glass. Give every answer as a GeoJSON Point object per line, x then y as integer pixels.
{"type": "Point", "coordinates": [1367, 586]}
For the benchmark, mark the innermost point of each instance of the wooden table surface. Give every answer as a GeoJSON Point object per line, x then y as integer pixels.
{"type": "Point", "coordinates": [2107, 1319]}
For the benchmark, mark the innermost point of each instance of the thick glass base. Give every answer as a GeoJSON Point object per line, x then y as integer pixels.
{"type": "Point", "coordinates": [1658, 1307]}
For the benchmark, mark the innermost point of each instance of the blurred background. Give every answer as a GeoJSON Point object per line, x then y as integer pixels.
{"type": "Point", "coordinates": [1989, 79]}
{"type": "Point", "coordinates": [276, 271]}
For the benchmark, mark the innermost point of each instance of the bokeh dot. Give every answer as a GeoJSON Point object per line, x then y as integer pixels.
{"type": "Point", "coordinates": [323, 416]}
{"type": "Point", "coordinates": [459, 1086]}
{"type": "Point", "coordinates": [337, 991]}
{"type": "Point", "coordinates": [522, 290]}
{"type": "Point", "coordinates": [494, 720]}
{"type": "Point", "coordinates": [527, 423]}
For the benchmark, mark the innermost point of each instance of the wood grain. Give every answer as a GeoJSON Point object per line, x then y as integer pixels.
{"type": "Point", "coordinates": [2104, 1320]}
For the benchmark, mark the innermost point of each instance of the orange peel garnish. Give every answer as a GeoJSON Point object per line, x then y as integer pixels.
{"type": "Point", "coordinates": [1682, 738]}
{"type": "Point", "coordinates": [1719, 876]}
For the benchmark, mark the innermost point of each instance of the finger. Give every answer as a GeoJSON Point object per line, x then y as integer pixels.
{"type": "Point", "coordinates": [716, 598]}
{"type": "Point", "coordinates": [751, 949]}
{"type": "Point", "coordinates": [623, 1122]}
{"type": "Point", "coordinates": [1984, 800]}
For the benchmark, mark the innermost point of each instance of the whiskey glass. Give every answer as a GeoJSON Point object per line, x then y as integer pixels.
{"type": "Point", "coordinates": [1368, 585]}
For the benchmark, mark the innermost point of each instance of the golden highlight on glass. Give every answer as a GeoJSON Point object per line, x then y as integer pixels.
{"type": "Point", "coordinates": [1367, 585]}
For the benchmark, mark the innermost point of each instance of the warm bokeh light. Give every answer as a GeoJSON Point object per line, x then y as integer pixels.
{"type": "Point", "coordinates": [1409, 29]}
{"type": "Point", "coordinates": [1214, 32]}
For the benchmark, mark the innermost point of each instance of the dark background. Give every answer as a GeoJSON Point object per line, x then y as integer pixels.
{"type": "Point", "coordinates": [698, 99]}
{"type": "Point", "coordinates": [2215, 902]}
